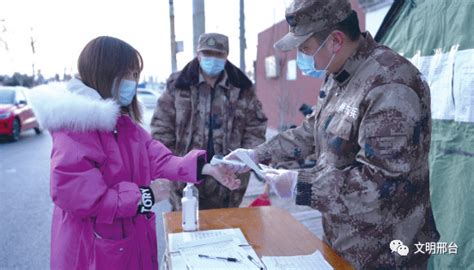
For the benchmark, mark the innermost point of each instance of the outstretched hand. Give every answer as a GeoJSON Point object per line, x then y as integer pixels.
{"type": "Point", "coordinates": [223, 175]}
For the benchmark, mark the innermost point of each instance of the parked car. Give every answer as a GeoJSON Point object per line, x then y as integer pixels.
{"type": "Point", "coordinates": [15, 113]}
{"type": "Point", "coordinates": [147, 97]}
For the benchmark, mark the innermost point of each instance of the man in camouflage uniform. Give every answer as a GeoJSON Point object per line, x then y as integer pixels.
{"type": "Point", "coordinates": [209, 105]}
{"type": "Point", "coordinates": [370, 132]}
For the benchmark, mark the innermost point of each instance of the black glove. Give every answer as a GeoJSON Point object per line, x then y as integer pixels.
{"type": "Point", "coordinates": [147, 201]}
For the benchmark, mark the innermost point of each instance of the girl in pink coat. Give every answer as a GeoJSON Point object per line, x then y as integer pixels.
{"type": "Point", "coordinates": [103, 163]}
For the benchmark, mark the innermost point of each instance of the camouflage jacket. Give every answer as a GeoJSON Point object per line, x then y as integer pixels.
{"type": "Point", "coordinates": [181, 122]}
{"type": "Point", "coordinates": [370, 133]}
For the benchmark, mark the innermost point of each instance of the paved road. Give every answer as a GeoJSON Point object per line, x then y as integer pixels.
{"type": "Point", "coordinates": [25, 205]}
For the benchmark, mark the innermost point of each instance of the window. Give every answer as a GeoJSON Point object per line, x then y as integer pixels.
{"type": "Point", "coordinates": [7, 96]}
{"type": "Point", "coordinates": [272, 69]}
{"type": "Point", "coordinates": [291, 73]}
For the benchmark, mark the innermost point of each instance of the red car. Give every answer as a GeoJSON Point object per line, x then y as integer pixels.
{"type": "Point", "coordinates": [15, 114]}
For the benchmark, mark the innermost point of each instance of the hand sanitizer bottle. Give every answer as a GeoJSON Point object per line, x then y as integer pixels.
{"type": "Point", "coordinates": [190, 208]}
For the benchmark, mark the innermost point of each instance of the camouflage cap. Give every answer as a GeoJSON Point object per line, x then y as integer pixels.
{"type": "Point", "coordinates": [306, 17]}
{"type": "Point", "coordinates": [213, 42]}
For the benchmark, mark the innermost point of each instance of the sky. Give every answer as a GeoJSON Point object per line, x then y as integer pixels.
{"type": "Point", "coordinates": [60, 29]}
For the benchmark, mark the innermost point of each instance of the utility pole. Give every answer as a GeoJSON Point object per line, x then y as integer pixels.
{"type": "Point", "coordinates": [172, 38]}
{"type": "Point", "coordinates": [199, 22]}
{"type": "Point", "coordinates": [3, 31]}
{"type": "Point", "coordinates": [243, 44]}
{"type": "Point", "coordinates": [33, 50]}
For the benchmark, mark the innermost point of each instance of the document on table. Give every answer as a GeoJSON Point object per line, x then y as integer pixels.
{"type": "Point", "coordinates": [304, 262]}
{"type": "Point", "coordinates": [183, 246]}
{"type": "Point", "coordinates": [197, 238]}
{"type": "Point", "coordinates": [228, 249]}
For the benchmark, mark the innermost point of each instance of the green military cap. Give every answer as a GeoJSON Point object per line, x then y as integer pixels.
{"type": "Point", "coordinates": [306, 17]}
{"type": "Point", "coordinates": [213, 42]}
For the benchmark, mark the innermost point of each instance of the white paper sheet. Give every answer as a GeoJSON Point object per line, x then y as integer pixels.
{"type": "Point", "coordinates": [440, 81]}
{"type": "Point", "coordinates": [305, 262]}
{"type": "Point", "coordinates": [438, 71]}
{"type": "Point", "coordinates": [188, 239]}
{"type": "Point", "coordinates": [415, 60]}
{"type": "Point", "coordinates": [423, 64]}
{"type": "Point", "coordinates": [464, 86]}
{"type": "Point", "coordinates": [205, 239]}
{"type": "Point", "coordinates": [244, 157]}
{"type": "Point", "coordinates": [221, 249]}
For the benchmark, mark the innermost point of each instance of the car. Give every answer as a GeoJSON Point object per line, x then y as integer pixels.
{"type": "Point", "coordinates": [147, 97]}
{"type": "Point", "coordinates": [15, 113]}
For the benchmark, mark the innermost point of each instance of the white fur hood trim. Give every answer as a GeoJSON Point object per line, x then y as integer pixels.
{"type": "Point", "coordinates": [72, 106]}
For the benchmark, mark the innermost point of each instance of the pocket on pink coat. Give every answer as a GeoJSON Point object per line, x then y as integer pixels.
{"type": "Point", "coordinates": [113, 254]}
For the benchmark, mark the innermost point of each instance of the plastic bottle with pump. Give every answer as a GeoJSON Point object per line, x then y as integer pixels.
{"type": "Point", "coordinates": [190, 208]}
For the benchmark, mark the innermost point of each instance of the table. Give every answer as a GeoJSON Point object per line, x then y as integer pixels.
{"type": "Point", "coordinates": [271, 231]}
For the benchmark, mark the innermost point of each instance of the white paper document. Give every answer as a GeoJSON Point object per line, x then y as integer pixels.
{"type": "Point", "coordinates": [189, 239]}
{"type": "Point", "coordinates": [305, 262]}
{"type": "Point", "coordinates": [438, 70]}
{"type": "Point", "coordinates": [450, 76]}
{"type": "Point", "coordinates": [423, 63]}
{"type": "Point", "coordinates": [244, 157]}
{"type": "Point", "coordinates": [441, 84]}
{"type": "Point", "coordinates": [185, 247]}
{"type": "Point", "coordinates": [228, 249]}
{"type": "Point", "coordinates": [464, 86]}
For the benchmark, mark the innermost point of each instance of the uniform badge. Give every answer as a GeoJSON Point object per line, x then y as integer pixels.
{"type": "Point", "coordinates": [349, 110]}
{"type": "Point", "coordinates": [291, 20]}
{"type": "Point", "coordinates": [211, 42]}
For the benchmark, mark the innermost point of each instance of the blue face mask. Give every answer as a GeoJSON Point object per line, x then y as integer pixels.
{"type": "Point", "coordinates": [307, 64]}
{"type": "Point", "coordinates": [212, 66]}
{"type": "Point", "coordinates": [127, 91]}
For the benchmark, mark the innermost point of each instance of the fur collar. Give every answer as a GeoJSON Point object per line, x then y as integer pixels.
{"type": "Point", "coordinates": [189, 76]}
{"type": "Point", "coordinates": [73, 106]}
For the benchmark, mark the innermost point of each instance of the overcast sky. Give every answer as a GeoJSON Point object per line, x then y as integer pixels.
{"type": "Point", "coordinates": [62, 28]}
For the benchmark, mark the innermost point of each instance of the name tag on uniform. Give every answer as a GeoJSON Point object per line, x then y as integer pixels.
{"type": "Point", "coordinates": [349, 110]}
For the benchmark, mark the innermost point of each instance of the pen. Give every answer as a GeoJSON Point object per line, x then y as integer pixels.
{"type": "Point", "coordinates": [229, 259]}
{"type": "Point", "coordinates": [255, 262]}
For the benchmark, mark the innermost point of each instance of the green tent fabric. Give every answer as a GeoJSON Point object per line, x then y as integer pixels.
{"type": "Point", "coordinates": [452, 187]}
{"type": "Point", "coordinates": [423, 27]}
{"type": "Point", "coordinates": [427, 25]}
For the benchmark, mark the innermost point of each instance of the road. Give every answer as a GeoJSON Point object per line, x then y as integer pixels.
{"type": "Point", "coordinates": [25, 204]}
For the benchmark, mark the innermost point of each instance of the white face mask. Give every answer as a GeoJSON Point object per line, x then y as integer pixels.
{"type": "Point", "coordinates": [307, 64]}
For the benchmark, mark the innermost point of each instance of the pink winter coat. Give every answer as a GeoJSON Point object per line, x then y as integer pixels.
{"type": "Point", "coordinates": [98, 163]}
